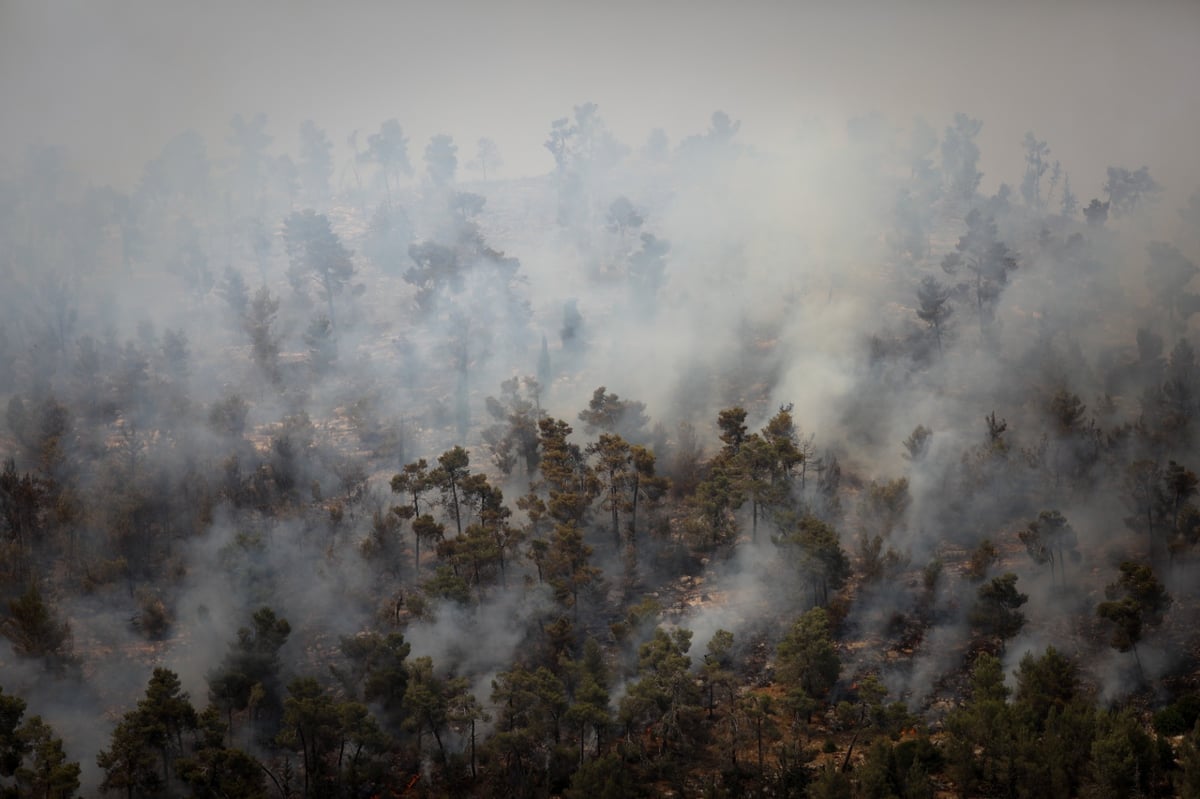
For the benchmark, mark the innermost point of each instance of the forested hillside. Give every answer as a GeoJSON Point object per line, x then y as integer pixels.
{"type": "Point", "coordinates": [690, 468]}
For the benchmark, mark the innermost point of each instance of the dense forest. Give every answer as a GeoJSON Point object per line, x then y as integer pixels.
{"type": "Point", "coordinates": [690, 468]}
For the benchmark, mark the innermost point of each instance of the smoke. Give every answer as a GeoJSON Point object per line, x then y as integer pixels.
{"type": "Point", "coordinates": [775, 260]}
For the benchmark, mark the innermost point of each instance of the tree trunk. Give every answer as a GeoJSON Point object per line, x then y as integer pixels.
{"type": "Point", "coordinates": [438, 738]}
{"type": "Point", "coordinates": [473, 775]}
{"type": "Point", "coordinates": [304, 753]}
{"type": "Point", "coordinates": [616, 527]}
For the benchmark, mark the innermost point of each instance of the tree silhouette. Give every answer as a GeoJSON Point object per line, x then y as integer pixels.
{"type": "Point", "coordinates": [487, 158]}
{"type": "Point", "coordinates": [995, 611]}
{"type": "Point", "coordinates": [1096, 213]}
{"type": "Point", "coordinates": [36, 629]}
{"type": "Point", "coordinates": [1135, 601]}
{"type": "Point", "coordinates": [317, 253]}
{"type": "Point", "coordinates": [32, 756]}
{"type": "Point", "coordinates": [388, 151]}
{"type": "Point", "coordinates": [258, 324]}
{"type": "Point", "coordinates": [1036, 163]}
{"type": "Point", "coordinates": [248, 677]}
{"type": "Point", "coordinates": [934, 308]}
{"type": "Point", "coordinates": [1047, 539]}
{"type": "Point", "coordinates": [960, 158]}
{"type": "Point", "coordinates": [808, 663]}
{"type": "Point", "coordinates": [988, 260]}
{"type": "Point", "coordinates": [1168, 274]}
{"type": "Point", "coordinates": [441, 160]}
{"type": "Point", "coordinates": [1127, 190]}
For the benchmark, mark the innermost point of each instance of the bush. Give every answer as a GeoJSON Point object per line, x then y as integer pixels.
{"type": "Point", "coordinates": [154, 619]}
{"type": "Point", "coordinates": [1179, 717]}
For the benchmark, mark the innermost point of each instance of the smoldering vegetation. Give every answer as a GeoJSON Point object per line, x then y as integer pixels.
{"type": "Point", "coordinates": [688, 467]}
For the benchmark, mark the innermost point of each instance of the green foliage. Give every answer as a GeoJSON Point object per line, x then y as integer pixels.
{"type": "Point", "coordinates": [32, 756]}
{"type": "Point", "coordinates": [714, 500]}
{"type": "Point", "coordinates": [24, 506]}
{"type": "Point", "coordinates": [759, 467]}
{"type": "Point", "coordinates": [806, 660]}
{"type": "Point", "coordinates": [214, 771]}
{"type": "Point", "coordinates": [609, 413]}
{"type": "Point", "coordinates": [130, 764]}
{"type": "Point", "coordinates": [934, 309]}
{"type": "Point", "coordinates": [47, 772]}
{"type": "Point", "coordinates": [568, 566]}
{"type": "Point", "coordinates": [983, 726]}
{"type": "Point", "coordinates": [812, 548]}
{"type": "Point", "coordinates": [446, 585]}
{"type": "Point", "coordinates": [877, 777]}
{"type": "Point", "coordinates": [569, 481]}
{"type": "Point", "coordinates": [154, 619]}
{"type": "Point", "coordinates": [613, 467]}
{"type": "Point", "coordinates": [36, 630]}
{"type": "Point", "coordinates": [1040, 742]}
{"type": "Point", "coordinates": [130, 494]}
{"type": "Point", "coordinates": [982, 558]}
{"type": "Point", "coordinates": [1046, 684]}
{"type": "Point", "coordinates": [1187, 780]}
{"type": "Point", "coordinates": [12, 746]}
{"type": "Point", "coordinates": [379, 669]}
{"type": "Point", "coordinates": [513, 437]}
{"type": "Point", "coordinates": [988, 261]}
{"type": "Point", "coordinates": [606, 777]}
{"type": "Point", "coordinates": [1124, 759]}
{"type": "Point", "coordinates": [1179, 717]}
{"type": "Point", "coordinates": [995, 611]}
{"type": "Point", "coordinates": [334, 738]}
{"type": "Point", "coordinates": [1136, 600]}
{"type": "Point", "coordinates": [1067, 411]}
{"type": "Point", "coordinates": [732, 424]}
{"type": "Point", "coordinates": [317, 254]}
{"type": "Point", "coordinates": [248, 677]}
{"type": "Point", "coordinates": [665, 697]}
{"type": "Point", "coordinates": [530, 707]}
{"type": "Point", "coordinates": [149, 738]}
{"type": "Point", "coordinates": [716, 671]}
{"type": "Point", "coordinates": [589, 711]}
{"type": "Point", "coordinates": [830, 783]}
{"type": "Point", "coordinates": [917, 443]}
{"type": "Point", "coordinates": [1048, 539]}
{"type": "Point", "coordinates": [258, 324]}
{"type": "Point", "coordinates": [454, 466]}
{"type": "Point", "coordinates": [1126, 618]}
{"type": "Point", "coordinates": [883, 506]}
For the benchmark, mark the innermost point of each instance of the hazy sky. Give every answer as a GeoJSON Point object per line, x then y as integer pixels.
{"type": "Point", "coordinates": [1103, 82]}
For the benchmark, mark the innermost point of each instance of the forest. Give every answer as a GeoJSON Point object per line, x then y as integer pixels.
{"type": "Point", "coordinates": [688, 468]}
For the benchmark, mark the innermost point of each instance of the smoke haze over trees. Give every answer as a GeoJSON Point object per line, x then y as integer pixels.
{"type": "Point", "coordinates": [679, 426]}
